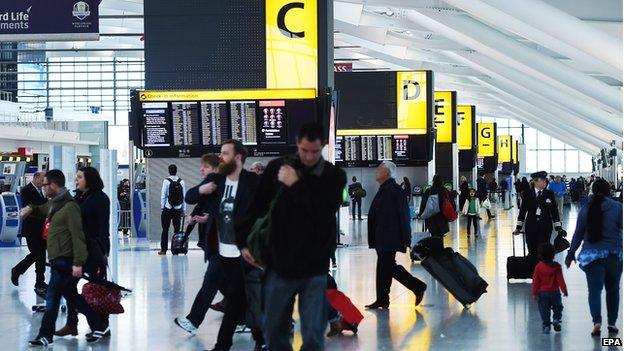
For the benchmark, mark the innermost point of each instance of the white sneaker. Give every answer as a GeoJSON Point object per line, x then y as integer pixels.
{"type": "Point", "coordinates": [186, 325]}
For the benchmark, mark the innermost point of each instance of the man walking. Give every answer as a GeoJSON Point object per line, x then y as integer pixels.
{"type": "Point", "coordinates": [173, 206]}
{"type": "Point", "coordinates": [308, 192]}
{"type": "Point", "coordinates": [558, 187]}
{"type": "Point", "coordinates": [67, 252]}
{"type": "Point", "coordinates": [32, 194]}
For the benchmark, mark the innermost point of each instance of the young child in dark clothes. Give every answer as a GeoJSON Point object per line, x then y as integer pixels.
{"type": "Point", "coordinates": [547, 283]}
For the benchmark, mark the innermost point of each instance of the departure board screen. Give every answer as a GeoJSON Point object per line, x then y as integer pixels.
{"type": "Point", "coordinates": [155, 124]}
{"type": "Point", "coordinates": [272, 122]}
{"type": "Point", "coordinates": [369, 148]}
{"type": "Point", "coordinates": [384, 148]}
{"type": "Point", "coordinates": [185, 123]}
{"type": "Point", "coordinates": [243, 117]}
{"type": "Point", "coordinates": [338, 149]}
{"type": "Point", "coordinates": [352, 151]}
{"type": "Point", "coordinates": [214, 122]}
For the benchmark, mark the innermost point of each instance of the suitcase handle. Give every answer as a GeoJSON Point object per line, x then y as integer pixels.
{"type": "Point", "coordinates": [513, 243]}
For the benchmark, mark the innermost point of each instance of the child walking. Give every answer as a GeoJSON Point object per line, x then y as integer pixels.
{"type": "Point", "coordinates": [547, 283]}
{"type": "Point", "coordinates": [471, 209]}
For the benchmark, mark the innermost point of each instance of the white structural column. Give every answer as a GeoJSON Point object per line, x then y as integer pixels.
{"type": "Point", "coordinates": [499, 46]}
{"type": "Point", "coordinates": [543, 24]}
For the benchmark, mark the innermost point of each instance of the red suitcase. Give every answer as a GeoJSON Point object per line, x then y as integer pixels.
{"type": "Point", "coordinates": [350, 314]}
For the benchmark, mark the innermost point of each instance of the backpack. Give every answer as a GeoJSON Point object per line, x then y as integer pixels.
{"type": "Point", "coordinates": [259, 238]}
{"type": "Point", "coordinates": [447, 208]}
{"type": "Point", "coordinates": [175, 196]}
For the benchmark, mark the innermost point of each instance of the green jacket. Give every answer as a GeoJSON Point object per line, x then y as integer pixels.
{"type": "Point", "coordinates": [65, 235]}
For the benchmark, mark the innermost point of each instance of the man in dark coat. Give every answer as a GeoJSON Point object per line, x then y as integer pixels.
{"type": "Point", "coordinates": [538, 213]}
{"type": "Point", "coordinates": [31, 230]}
{"type": "Point", "coordinates": [482, 193]}
{"type": "Point", "coordinates": [388, 233]}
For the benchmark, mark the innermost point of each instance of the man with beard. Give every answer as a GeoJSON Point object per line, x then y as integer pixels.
{"type": "Point", "coordinates": [229, 195]}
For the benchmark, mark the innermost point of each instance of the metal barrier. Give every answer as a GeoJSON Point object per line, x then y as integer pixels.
{"type": "Point", "coordinates": [125, 223]}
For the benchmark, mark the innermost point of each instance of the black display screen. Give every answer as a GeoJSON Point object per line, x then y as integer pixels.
{"type": "Point", "coordinates": [367, 103]}
{"type": "Point", "coordinates": [185, 124]}
{"type": "Point", "coordinates": [369, 151]}
{"type": "Point", "coordinates": [156, 124]}
{"type": "Point", "coordinates": [214, 122]}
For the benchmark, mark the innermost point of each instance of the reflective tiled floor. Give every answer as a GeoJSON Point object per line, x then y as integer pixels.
{"type": "Point", "coordinates": [505, 318]}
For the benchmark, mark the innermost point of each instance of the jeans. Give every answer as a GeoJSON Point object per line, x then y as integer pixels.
{"type": "Point", "coordinates": [279, 300]}
{"type": "Point", "coordinates": [472, 219]}
{"type": "Point", "coordinates": [213, 279]}
{"type": "Point", "coordinates": [37, 255]}
{"type": "Point", "coordinates": [550, 301]}
{"type": "Point", "coordinates": [167, 217]}
{"type": "Point", "coordinates": [62, 283]}
{"type": "Point", "coordinates": [387, 268]}
{"type": "Point", "coordinates": [604, 272]}
{"type": "Point", "coordinates": [356, 202]}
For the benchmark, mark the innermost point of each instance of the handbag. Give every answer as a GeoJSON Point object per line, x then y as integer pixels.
{"type": "Point", "coordinates": [432, 207]}
{"type": "Point", "coordinates": [561, 243]}
{"type": "Point", "coordinates": [447, 209]}
{"type": "Point", "coordinates": [486, 204]}
{"type": "Point", "coordinates": [102, 299]}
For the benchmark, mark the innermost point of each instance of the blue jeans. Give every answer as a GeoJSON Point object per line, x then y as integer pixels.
{"type": "Point", "coordinates": [550, 301]}
{"type": "Point", "coordinates": [279, 300]}
{"type": "Point", "coordinates": [62, 283]}
{"type": "Point", "coordinates": [604, 272]}
{"type": "Point", "coordinates": [213, 279]}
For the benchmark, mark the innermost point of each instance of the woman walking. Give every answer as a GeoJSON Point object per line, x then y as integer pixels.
{"type": "Point", "coordinates": [599, 228]}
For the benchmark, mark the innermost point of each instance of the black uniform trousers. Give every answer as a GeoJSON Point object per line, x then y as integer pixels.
{"type": "Point", "coordinates": [387, 268]}
{"type": "Point", "coordinates": [37, 255]}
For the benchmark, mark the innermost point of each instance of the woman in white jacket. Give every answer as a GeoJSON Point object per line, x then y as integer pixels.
{"type": "Point", "coordinates": [471, 210]}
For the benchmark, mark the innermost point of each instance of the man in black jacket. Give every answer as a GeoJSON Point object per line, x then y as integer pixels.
{"type": "Point", "coordinates": [389, 232]}
{"type": "Point", "coordinates": [303, 235]}
{"type": "Point", "coordinates": [538, 214]}
{"type": "Point", "coordinates": [31, 229]}
{"type": "Point", "coordinates": [482, 193]}
{"type": "Point", "coordinates": [229, 195]}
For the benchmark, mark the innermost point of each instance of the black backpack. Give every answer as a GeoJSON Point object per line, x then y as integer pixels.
{"type": "Point", "coordinates": [175, 196]}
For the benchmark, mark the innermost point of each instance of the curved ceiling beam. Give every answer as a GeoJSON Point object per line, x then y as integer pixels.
{"type": "Point", "coordinates": [531, 23]}
{"type": "Point", "coordinates": [566, 28]}
{"type": "Point", "coordinates": [588, 113]}
{"type": "Point", "coordinates": [497, 45]}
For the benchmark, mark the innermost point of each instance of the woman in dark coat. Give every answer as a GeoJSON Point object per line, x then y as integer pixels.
{"type": "Point", "coordinates": [438, 224]}
{"type": "Point", "coordinates": [94, 206]}
{"type": "Point", "coordinates": [464, 189]}
{"type": "Point", "coordinates": [388, 233]}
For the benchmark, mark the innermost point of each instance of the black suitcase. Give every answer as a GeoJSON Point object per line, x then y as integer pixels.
{"type": "Point", "coordinates": [458, 275]}
{"type": "Point", "coordinates": [179, 242]}
{"type": "Point", "coordinates": [520, 267]}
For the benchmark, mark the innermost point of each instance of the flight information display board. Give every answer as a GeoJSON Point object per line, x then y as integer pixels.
{"type": "Point", "coordinates": [190, 124]}
{"type": "Point", "coordinates": [370, 151]}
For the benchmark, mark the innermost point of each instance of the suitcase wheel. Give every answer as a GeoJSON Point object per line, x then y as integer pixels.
{"type": "Point", "coordinates": [64, 308]}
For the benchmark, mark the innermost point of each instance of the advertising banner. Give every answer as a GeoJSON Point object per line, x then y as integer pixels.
{"type": "Point", "coordinates": [38, 20]}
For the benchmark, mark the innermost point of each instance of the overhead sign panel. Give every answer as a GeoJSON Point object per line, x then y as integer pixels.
{"type": "Point", "coordinates": [444, 113]}
{"type": "Point", "coordinates": [505, 146]}
{"type": "Point", "coordinates": [38, 20]}
{"type": "Point", "coordinates": [486, 139]}
{"type": "Point", "coordinates": [291, 44]}
{"type": "Point", "coordinates": [465, 127]}
{"type": "Point", "coordinates": [412, 95]}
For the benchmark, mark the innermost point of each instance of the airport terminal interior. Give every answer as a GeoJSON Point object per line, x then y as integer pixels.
{"type": "Point", "coordinates": [240, 174]}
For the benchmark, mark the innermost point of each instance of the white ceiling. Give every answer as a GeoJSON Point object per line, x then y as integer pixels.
{"type": "Point", "coordinates": [555, 65]}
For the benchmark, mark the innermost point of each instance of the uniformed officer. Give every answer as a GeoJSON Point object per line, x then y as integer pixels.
{"type": "Point", "coordinates": [538, 213]}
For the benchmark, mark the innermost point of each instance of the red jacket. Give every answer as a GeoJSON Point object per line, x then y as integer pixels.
{"type": "Point", "coordinates": [548, 277]}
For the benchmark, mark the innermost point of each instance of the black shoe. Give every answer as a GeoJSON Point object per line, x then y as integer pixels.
{"type": "Point", "coordinates": [14, 277]}
{"type": "Point", "coordinates": [260, 347]}
{"type": "Point", "coordinates": [97, 335]}
{"type": "Point", "coordinates": [546, 329]}
{"type": "Point", "coordinates": [596, 330]}
{"type": "Point", "coordinates": [376, 305]}
{"type": "Point", "coordinates": [107, 333]}
{"type": "Point", "coordinates": [612, 329]}
{"type": "Point", "coordinates": [557, 326]}
{"type": "Point", "coordinates": [41, 341]}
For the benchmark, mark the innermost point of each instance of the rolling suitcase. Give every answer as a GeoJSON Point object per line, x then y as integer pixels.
{"type": "Point", "coordinates": [458, 275]}
{"type": "Point", "coordinates": [520, 267]}
{"type": "Point", "coordinates": [351, 316]}
{"type": "Point", "coordinates": [179, 241]}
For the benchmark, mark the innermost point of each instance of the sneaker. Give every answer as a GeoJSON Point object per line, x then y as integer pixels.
{"type": "Point", "coordinates": [260, 347]}
{"type": "Point", "coordinates": [546, 329]}
{"type": "Point", "coordinates": [161, 253]}
{"type": "Point", "coordinates": [612, 329]}
{"type": "Point", "coordinates": [557, 326]}
{"type": "Point", "coordinates": [334, 267]}
{"type": "Point", "coordinates": [186, 325]}
{"type": "Point", "coordinates": [41, 341]}
{"type": "Point", "coordinates": [106, 334]}
{"type": "Point", "coordinates": [97, 335]}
